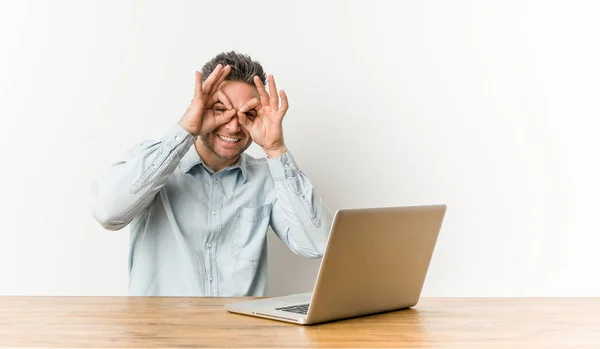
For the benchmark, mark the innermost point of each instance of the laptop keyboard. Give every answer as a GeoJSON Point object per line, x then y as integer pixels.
{"type": "Point", "coordinates": [298, 309]}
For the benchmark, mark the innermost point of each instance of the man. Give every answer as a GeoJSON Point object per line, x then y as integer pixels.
{"type": "Point", "coordinates": [198, 206]}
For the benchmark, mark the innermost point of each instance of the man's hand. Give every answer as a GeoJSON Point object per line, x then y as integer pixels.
{"type": "Point", "coordinates": [263, 118]}
{"type": "Point", "coordinates": [200, 118]}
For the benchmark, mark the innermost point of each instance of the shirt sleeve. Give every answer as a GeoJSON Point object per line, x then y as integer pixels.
{"type": "Point", "coordinates": [131, 183]}
{"type": "Point", "coordinates": [299, 217]}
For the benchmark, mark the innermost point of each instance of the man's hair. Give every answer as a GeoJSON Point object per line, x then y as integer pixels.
{"type": "Point", "coordinates": [243, 68]}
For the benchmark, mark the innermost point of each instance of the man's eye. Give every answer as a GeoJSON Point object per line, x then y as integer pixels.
{"type": "Point", "coordinates": [221, 110]}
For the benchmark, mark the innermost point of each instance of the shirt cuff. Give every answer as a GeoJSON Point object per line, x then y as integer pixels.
{"type": "Point", "coordinates": [176, 136]}
{"type": "Point", "coordinates": [283, 167]}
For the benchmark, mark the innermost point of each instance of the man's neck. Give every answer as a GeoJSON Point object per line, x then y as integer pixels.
{"type": "Point", "coordinates": [210, 159]}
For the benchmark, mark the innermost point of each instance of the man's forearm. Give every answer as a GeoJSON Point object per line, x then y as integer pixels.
{"type": "Point", "coordinates": [274, 153]}
{"type": "Point", "coordinates": [300, 217]}
{"type": "Point", "coordinates": [131, 184]}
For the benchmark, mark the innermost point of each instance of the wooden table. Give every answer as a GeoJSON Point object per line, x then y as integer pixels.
{"type": "Point", "coordinates": [118, 322]}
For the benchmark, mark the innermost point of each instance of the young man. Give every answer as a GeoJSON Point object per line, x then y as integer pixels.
{"type": "Point", "coordinates": [198, 206]}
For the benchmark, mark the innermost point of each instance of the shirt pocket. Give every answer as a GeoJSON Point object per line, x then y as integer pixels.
{"type": "Point", "coordinates": [251, 232]}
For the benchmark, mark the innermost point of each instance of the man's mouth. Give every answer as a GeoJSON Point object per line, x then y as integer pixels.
{"type": "Point", "coordinates": [229, 139]}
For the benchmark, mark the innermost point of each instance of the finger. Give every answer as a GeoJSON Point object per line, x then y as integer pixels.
{"type": "Point", "coordinates": [207, 87]}
{"type": "Point", "coordinates": [198, 87]}
{"type": "Point", "coordinates": [273, 92]}
{"type": "Point", "coordinates": [223, 118]}
{"type": "Point", "coordinates": [284, 102]}
{"type": "Point", "coordinates": [254, 103]}
{"type": "Point", "coordinates": [220, 79]}
{"type": "Point", "coordinates": [262, 92]}
{"type": "Point", "coordinates": [245, 121]}
{"type": "Point", "coordinates": [220, 96]}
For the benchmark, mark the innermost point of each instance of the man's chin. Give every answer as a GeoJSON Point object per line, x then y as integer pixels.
{"type": "Point", "coordinates": [228, 154]}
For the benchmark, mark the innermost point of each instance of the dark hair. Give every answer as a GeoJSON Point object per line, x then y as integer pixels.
{"type": "Point", "coordinates": [243, 68]}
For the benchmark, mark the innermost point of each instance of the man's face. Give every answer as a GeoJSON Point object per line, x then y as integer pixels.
{"type": "Point", "coordinates": [230, 140]}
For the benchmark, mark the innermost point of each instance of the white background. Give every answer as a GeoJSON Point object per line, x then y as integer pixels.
{"type": "Point", "coordinates": [488, 107]}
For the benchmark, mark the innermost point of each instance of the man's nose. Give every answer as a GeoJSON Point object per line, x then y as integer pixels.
{"type": "Point", "coordinates": [233, 125]}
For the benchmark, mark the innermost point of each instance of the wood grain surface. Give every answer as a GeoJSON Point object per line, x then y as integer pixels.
{"type": "Point", "coordinates": [152, 322]}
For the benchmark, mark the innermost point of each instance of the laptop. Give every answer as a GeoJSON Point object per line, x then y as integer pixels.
{"type": "Point", "coordinates": [375, 261]}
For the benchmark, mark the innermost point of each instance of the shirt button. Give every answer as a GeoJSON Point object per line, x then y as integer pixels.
{"type": "Point", "coordinates": [216, 180]}
{"type": "Point", "coordinates": [209, 245]}
{"type": "Point", "coordinates": [177, 138]}
{"type": "Point", "coordinates": [214, 212]}
{"type": "Point", "coordinates": [286, 166]}
{"type": "Point", "coordinates": [210, 279]}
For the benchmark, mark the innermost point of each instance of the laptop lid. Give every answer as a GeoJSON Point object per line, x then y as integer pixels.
{"type": "Point", "coordinates": [376, 260]}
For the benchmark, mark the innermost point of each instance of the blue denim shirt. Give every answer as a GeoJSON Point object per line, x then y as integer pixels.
{"type": "Point", "coordinates": [195, 232]}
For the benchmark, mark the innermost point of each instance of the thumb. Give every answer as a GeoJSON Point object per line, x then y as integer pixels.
{"type": "Point", "coordinates": [225, 117]}
{"type": "Point", "coordinates": [244, 121]}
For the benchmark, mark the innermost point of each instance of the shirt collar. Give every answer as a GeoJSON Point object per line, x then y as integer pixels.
{"type": "Point", "coordinates": [191, 159]}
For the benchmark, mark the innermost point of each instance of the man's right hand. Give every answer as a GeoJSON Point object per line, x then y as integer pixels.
{"type": "Point", "coordinates": [200, 118]}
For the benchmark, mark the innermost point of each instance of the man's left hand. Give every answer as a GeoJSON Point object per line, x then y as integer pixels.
{"type": "Point", "coordinates": [263, 118]}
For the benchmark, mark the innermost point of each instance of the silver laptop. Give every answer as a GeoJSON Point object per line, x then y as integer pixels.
{"type": "Point", "coordinates": [376, 260]}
